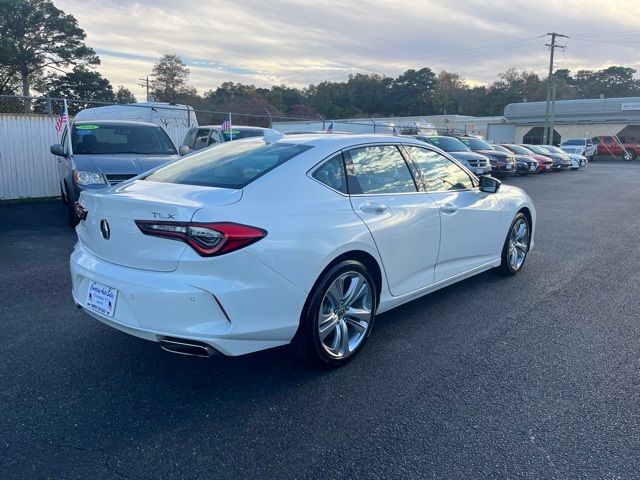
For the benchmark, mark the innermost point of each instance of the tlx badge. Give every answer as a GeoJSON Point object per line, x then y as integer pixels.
{"type": "Point", "coordinates": [167, 216]}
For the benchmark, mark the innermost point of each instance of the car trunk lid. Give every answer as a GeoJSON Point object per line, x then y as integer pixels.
{"type": "Point", "coordinates": [110, 232]}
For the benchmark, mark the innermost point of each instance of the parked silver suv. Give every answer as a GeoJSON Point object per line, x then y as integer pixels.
{"type": "Point", "coordinates": [105, 153]}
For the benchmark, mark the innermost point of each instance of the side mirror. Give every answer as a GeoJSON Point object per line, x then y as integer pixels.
{"type": "Point", "coordinates": [489, 184]}
{"type": "Point", "coordinates": [183, 150]}
{"type": "Point", "coordinates": [57, 150]}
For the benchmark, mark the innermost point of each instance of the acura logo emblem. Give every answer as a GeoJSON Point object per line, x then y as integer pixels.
{"type": "Point", "coordinates": [104, 228]}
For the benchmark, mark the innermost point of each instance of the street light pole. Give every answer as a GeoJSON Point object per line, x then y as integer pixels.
{"type": "Point", "coordinates": [550, 80]}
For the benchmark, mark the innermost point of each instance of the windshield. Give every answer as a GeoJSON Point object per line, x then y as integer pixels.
{"type": "Point", "coordinates": [573, 142]}
{"type": "Point", "coordinates": [476, 143]}
{"type": "Point", "coordinates": [551, 148]}
{"type": "Point", "coordinates": [537, 149]}
{"type": "Point", "coordinates": [106, 139]}
{"type": "Point", "coordinates": [448, 144]}
{"type": "Point", "coordinates": [519, 150]}
{"type": "Point", "coordinates": [236, 134]}
{"type": "Point", "coordinates": [502, 149]}
{"type": "Point", "coordinates": [230, 165]}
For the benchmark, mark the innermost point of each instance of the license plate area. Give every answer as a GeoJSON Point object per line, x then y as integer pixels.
{"type": "Point", "coordinates": [101, 298]}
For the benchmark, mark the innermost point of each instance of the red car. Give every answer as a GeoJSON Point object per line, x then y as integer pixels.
{"type": "Point", "coordinates": [614, 147]}
{"type": "Point", "coordinates": [545, 164]}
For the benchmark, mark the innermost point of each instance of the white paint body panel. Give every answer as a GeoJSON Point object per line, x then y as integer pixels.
{"type": "Point", "coordinates": [252, 298]}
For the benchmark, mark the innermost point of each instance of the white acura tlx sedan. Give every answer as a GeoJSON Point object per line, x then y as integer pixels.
{"type": "Point", "coordinates": [289, 240]}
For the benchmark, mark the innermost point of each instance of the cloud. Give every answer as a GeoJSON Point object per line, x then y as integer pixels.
{"type": "Point", "coordinates": [297, 42]}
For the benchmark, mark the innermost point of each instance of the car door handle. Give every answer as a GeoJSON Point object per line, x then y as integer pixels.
{"type": "Point", "coordinates": [376, 208]}
{"type": "Point", "coordinates": [449, 208]}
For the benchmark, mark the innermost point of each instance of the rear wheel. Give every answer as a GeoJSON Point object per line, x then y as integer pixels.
{"type": "Point", "coordinates": [516, 245]}
{"type": "Point", "coordinates": [338, 316]}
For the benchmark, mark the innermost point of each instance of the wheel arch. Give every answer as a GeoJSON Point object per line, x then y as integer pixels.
{"type": "Point", "coordinates": [368, 260]}
{"type": "Point", "coordinates": [527, 213]}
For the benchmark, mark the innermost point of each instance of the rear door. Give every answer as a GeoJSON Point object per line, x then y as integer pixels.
{"type": "Point", "coordinates": [471, 221]}
{"type": "Point", "coordinates": [404, 222]}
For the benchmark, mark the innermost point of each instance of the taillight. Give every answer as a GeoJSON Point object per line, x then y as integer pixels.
{"type": "Point", "coordinates": [208, 239]}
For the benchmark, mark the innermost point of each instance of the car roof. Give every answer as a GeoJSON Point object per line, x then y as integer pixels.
{"type": "Point", "coordinates": [234, 127]}
{"type": "Point", "coordinates": [114, 122]}
{"type": "Point", "coordinates": [344, 140]}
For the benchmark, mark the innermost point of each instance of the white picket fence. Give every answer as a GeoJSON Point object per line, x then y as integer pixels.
{"type": "Point", "coordinates": [27, 168]}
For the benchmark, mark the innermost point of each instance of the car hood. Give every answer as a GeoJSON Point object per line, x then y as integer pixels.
{"type": "Point", "coordinates": [499, 156]}
{"type": "Point", "coordinates": [464, 156]}
{"type": "Point", "coordinates": [125, 163]}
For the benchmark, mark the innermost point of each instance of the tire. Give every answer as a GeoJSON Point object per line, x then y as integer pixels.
{"type": "Point", "coordinates": [511, 265]}
{"type": "Point", "coordinates": [63, 197]}
{"type": "Point", "coordinates": [325, 347]}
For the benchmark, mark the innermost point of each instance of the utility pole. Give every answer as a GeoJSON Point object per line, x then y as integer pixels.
{"type": "Point", "coordinates": [548, 135]}
{"type": "Point", "coordinates": [146, 84]}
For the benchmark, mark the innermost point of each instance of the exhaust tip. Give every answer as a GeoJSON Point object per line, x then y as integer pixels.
{"type": "Point", "coordinates": [182, 346]}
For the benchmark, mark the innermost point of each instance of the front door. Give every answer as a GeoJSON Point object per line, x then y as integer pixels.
{"type": "Point", "coordinates": [471, 220]}
{"type": "Point", "coordinates": [404, 223]}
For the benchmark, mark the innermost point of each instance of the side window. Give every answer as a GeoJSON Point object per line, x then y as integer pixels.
{"type": "Point", "coordinates": [439, 173]}
{"type": "Point", "coordinates": [202, 138]}
{"type": "Point", "coordinates": [190, 138]}
{"type": "Point", "coordinates": [378, 169]}
{"type": "Point", "coordinates": [214, 138]}
{"type": "Point", "coordinates": [332, 174]}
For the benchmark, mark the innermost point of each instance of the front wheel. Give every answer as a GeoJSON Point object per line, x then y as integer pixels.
{"type": "Point", "coordinates": [338, 316]}
{"type": "Point", "coordinates": [516, 245]}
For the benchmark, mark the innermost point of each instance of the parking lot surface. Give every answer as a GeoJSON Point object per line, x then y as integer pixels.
{"type": "Point", "coordinates": [534, 376]}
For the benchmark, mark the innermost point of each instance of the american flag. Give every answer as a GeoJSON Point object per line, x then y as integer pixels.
{"type": "Point", "coordinates": [61, 119]}
{"type": "Point", "coordinates": [226, 125]}
{"type": "Point", "coordinates": [395, 132]}
{"type": "Point", "coordinates": [330, 128]}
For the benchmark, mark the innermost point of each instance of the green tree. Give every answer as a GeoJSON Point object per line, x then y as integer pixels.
{"type": "Point", "coordinates": [124, 95]}
{"type": "Point", "coordinates": [36, 35]}
{"type": "Point", "coordinates": [170, 76]}
{"type": "Point", "coordinates": [412, 92]}
{"type": "Point", "coordinates": [448, 96]}
{"type": "Point", "coordinates": [81, 84]}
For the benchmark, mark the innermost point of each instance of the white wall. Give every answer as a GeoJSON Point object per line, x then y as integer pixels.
{"type": "Point", "coordinates": [27, 169]}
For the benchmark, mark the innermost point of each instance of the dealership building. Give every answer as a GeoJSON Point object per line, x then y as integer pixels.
{"type": "Point", "coordinates": [586, 118]}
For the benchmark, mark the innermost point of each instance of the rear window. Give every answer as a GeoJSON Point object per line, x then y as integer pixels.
{"type": "Point", "coordinates": [573, 142]}
{"type": "Point", "coordinates": [229, 165]}
{"type": "Point", "coordinates": [235, 134]}
{"type": "Point", "coordinates": [105, 139]}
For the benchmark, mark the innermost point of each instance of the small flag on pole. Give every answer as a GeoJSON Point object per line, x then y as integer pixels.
{"type": "Point", "coordinates": [395, 131]}
{"type": "Point", "coordinates": [330, 128]}
{"type": "Point", "coordinates": [61, 119]}
{"type": "Point", "coordinates": [226, 125]}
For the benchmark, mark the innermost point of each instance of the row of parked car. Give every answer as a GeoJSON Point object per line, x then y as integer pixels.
{"type": "Point", "coordinates": [484, 158]}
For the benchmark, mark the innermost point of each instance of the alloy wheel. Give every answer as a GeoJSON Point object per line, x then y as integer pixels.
{"type": "Point", "coordinates": [518, 244]}
{"type": "Point", "coordinates": [345, 314]}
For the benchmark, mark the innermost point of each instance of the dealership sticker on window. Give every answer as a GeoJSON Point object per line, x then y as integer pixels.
{"type": "Point", "coordinates": [86, 127]}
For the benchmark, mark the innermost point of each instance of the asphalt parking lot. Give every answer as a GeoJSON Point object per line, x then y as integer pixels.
{"type": "Point", "coordinates": [535, 376]}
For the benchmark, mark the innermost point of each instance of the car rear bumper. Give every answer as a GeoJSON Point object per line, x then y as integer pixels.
{"type": "Point", "coordinates": [238, 306]}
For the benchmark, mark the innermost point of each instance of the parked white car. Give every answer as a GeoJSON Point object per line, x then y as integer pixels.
{"type": "Point", "coordinates": [301, 239]}
{"type": "Point", "coordinates": [580, 146]}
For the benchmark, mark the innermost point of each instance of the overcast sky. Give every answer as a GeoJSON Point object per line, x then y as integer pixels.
{"type": "Point", "coordinates": [297, 42]}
